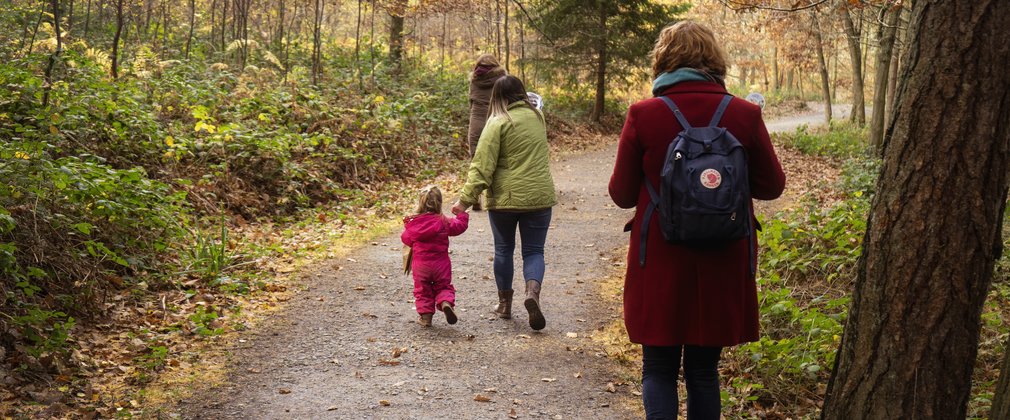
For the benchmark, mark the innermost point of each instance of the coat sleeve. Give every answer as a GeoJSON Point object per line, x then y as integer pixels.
{"type": "Point", "coordinates": [409, 236]}
{"type": "Point", "coordinates": [485, 160]}
{"type": "Point", "coordinates": [766, 176]}
{"type": "Point", "coordinates": [626, 181]}
{"type": "Point", "coordinates": [459, 224]}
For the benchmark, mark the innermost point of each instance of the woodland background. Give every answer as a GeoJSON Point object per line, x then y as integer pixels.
{"type": "Point", "coordinates": [167, 165]}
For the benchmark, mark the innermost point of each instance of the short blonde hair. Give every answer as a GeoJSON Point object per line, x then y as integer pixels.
{"type": "Point", "coordinates": [430, 200]}
{"type": "Point", "coordinates": [688, 44]}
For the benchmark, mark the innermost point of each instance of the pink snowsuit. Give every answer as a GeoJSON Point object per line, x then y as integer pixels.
{"type": "Point", "coordinates": [428, 234]}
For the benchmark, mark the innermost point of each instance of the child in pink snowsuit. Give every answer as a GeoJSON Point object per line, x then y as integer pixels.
{"type": "Point", "coordinates": [427, 233]}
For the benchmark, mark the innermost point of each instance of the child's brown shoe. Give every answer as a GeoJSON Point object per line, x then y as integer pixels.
{"type": "Point", "coordinates": [425, 320]}
{"type": "Point", "coordinates": [450, 314]}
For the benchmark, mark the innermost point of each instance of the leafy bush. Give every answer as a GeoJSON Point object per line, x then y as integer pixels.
{"type": "Point", "coordinates": [842, 141]}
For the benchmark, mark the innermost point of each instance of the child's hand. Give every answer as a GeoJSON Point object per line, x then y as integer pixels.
{"type": "Point", "coordinates": [458, 207]}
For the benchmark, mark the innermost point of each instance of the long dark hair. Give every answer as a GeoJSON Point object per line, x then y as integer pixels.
{"type": "Point", "coordinates": [507, 90]}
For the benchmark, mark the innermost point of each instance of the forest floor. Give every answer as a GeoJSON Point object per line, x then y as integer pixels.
{"type": "Point", "coordinates": [346, 344]}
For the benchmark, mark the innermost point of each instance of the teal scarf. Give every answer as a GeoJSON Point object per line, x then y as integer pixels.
{"type": "Point", "coordinates": [668, 79]}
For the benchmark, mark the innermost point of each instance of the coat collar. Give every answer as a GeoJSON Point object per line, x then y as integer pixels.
{"type": "Point", "coordinates": [694, 87]}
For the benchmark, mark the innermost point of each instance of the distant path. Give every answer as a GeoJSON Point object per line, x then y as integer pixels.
{"type": "Point", "coordinates": [347, 345]}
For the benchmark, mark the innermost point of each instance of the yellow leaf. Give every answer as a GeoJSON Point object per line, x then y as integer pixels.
{"type": "Point", "coordinates": [379, 99]}
{"type": "Point", "coordinates": [21, 155]}
{"type": "Point", "coordinates": [455, 135]}
{"type": "Point", "coordinates": [54, 130]}
{"type": "Point", "coordinates": [169, 141]}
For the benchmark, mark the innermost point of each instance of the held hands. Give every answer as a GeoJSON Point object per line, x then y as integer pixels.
{"type": "Point", "coordinates": [458, 207]}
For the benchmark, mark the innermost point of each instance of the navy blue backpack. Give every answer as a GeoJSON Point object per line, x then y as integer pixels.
{"type": "Point", "coordinates": [704, 195]}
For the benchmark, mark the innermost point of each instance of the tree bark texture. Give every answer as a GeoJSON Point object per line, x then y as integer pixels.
{"type": "Point", "coordinates": [852, 38]}
{"type": "Point", "coordinates": [934, 228]}
{"type": "Point", "coordinates": [1000, 409]}
{"type": "Point", "coordinates": [880, 79]}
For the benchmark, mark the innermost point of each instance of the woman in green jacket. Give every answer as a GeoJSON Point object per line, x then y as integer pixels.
{"type": "Point", "coordinates": [511, 162]}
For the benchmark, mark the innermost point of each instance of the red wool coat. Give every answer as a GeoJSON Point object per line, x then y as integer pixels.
{"type": "Point", "coordinates": [683, 295]}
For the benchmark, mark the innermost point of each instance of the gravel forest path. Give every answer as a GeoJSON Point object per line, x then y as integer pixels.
{"type": "Point", "coordinates": [347, 345]}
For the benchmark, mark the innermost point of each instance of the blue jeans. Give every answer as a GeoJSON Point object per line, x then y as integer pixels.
{"type": "Point", "coordinates": [660, 369]}
{"type": "Point", "coordinates": [533, 233]}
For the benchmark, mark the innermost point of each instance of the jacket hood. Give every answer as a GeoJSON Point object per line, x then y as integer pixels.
{"type": "Point", "coordinates": [426, 225]}
{"type": "Point", "coordinates": [486, 80]}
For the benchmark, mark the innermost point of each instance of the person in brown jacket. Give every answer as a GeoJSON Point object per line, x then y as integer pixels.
{"type": "Point", "coordinates": [485, 72]}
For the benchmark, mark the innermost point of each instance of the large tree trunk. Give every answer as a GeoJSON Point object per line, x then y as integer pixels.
{"type": "Point", "coordinates": [934, 228]}
{"type": "Point", "coordinates": [852, 37]}
{"type": "Point", "coordinates": [601, 66]}
{"type": "Point", "coordinates": [396, 34]}
{"type": "Point", "coordinates": [825, 81]}
{"type": "Point", "coordinates": [880, 79]}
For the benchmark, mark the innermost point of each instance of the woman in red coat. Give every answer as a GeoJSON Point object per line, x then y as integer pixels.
{"type": "Point", "coordinates": [685, 301]}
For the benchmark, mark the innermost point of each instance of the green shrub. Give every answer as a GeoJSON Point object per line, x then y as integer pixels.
{"type": "Point", "coordinates": [842, 141]}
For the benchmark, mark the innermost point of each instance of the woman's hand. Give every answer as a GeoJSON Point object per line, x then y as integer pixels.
{"type": "Point", "coordinates": [458, 207]}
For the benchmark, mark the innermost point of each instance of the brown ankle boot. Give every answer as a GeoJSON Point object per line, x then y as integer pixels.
{"type": "Point", "coordinates": [504, 307]}
{"type": "Point", "coordinates": [537, 321]}
{"type": "Point", "coordinates": [450, 314]}
{"type": "Point", "coordinates": [425, 320]}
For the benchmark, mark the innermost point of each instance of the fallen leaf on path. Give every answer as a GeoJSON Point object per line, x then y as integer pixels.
{"type": "Point", "coordinates": [512, 413]}
{"type": "Point", "coordinates": [359, 287]}
{"type": "Point", "coordinates": [284, 391]}
{"type": "Point", "coordinates": [384, 403]}
{"type": "Point", "coordinates": [578, 374]}
{"type": "Point", "coordinates": [352, 260]}
{"type": "Point", "coordinates": [368, 315]}
{"type": "Point", "coordinates": [490, 389]}
{"type": "Point", "coordinates": [610, 387]}
{"type": "Point", "coordinates": [383, 276]}
{"type": "Point", "coordinates": [548, 379]}
{"type": "Point", "coordinates": [397, 351]}
{"type": "Point", "coordinates": [590, 245]}
{"type": "Point", "coordinates": [523, 336]}
{"type": "Point", "coordinates": [636, 393]}
{"type": "Point", "coordinates": [481, 398]}
{"type": "Point", "coordinates": [251, 370]}
{"type": "Point", "coordinates": [389, 362]}
{"type": "Point", "coordinates": [572, 335]}
{"type": "Point", "coordinates": [580, 320]}
{"type": "Point", "coordinates": [331, 408]}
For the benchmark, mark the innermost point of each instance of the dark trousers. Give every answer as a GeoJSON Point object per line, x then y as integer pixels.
{"type": "Point", "coordinates": [660, 370]}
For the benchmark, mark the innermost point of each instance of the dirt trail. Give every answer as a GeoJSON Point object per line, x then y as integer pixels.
{"type": "Point", "coordinates": [347, 345]}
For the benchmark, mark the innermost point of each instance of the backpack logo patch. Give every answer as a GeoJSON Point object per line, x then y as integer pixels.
{"type": "Point", "coordinates": [711, 179]}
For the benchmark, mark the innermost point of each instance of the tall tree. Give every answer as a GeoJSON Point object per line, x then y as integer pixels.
{"type": "Point", "coordinates": [885, 52]}
{"type": "Point", "coordinates": [822, 63]}
{"type": "Point", "coordinates": [56, 53]}
{"type": "Point", "coordinates": [192, 25]}
{"type": "Point", "coordinates": [397, 10]}
{"type": "Point", "coordinates": [933, 234]}
{"type": "Point", "coordinates": [115, 39]}
{"type": "Point", "coordinates": [852, 38]}
{"type": "Point", "coordinates": [597, 33]}
{"type": "Point", "coordinates": [317, 42]}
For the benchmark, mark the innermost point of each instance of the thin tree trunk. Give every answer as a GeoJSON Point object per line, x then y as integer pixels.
{"type": "Point", "coordinates": [115, 39]}
{"type": "Point", "coordinates": [508, 45]}
{"type": "Point", "coordinates": [70, 17]}
{"type": "Point", "coordinates": [601, 66]}
{"type": "Point", "coordinates": [192, 24]}
{"type": "Point", "coordinates": [776, 81]}
{"type": "Point", "coordinates": [885, 34]}
{"type": "Point", "coordinates": [825, 82]}
{"type": "Point", "coordinates": [522, 50]}
{"type": "Point", "coordinates": [317, 42]}
{"type": "Point", "coordinates": [35, 32]}
{"type": "Point", "coordinates": [934, 229]}
{"type": "Point", "coordinates": [87, 19]}
{"type": "Point", "coordinates": [441, 45]}
{"type": "Point", "coordinates": [497, 28]}
{"type": "Point", "coordinates": [852, 37]}
{"type": "Point", "coordinates": [396, 24]}
{"type": "Point", "coordinates": [357, 49]}
{"type": "Point", "coordinates": [54, 56]}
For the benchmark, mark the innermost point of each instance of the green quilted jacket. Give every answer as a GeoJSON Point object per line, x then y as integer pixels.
{"type": "Point", "coordinates": [512, 164]}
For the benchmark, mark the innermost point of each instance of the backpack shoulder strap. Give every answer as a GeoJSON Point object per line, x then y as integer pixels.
{"type": "Point", "coordinates": [676, 112]}
{"type": "Point", "coordinates": [720, 110]}
{"type": "Point", "coordinates": [646, 218]}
